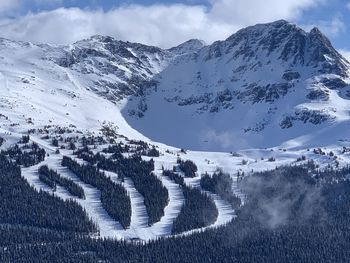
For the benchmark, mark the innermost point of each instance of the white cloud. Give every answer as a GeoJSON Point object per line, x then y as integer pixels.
{"type": "Point", "coordinates": [330, 28]}
{"type": "Point", "coordinates": [226, 140]}
{"type": "Point", "coordinates": [348, 5]}
{"type": "Point", "coordinates": [336, 27]}
{"type": "Point", "coordinates": [253, 11]}
{"type": "Point", "coordinates": [163, 25]}
{"type": "Point", "coordinates": [8, 5]}
{"type": "Point", "coordinates": [345, 53]}
{"type": "Point", "coordinates": [40, 2]}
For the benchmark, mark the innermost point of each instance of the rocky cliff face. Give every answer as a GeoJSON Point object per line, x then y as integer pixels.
{"type": "Point", "coordinates": [266, 78]}
{"type": "Point", "coordinates": [262, 86]}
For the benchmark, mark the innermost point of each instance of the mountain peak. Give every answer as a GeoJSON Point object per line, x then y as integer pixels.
{"type": "Point", "coordinates": [101, 38]}
{"type": "Point", "coordinates": [189, 46]}
{"type": "Point", "coordinates": [283, 40]}
{"type": "Point", "coordinates": [272, 78]}
{"type": "Point", "coordinates": [315, 31]}
{"type": "Point", "coordinates": [274, 24]}
{"type": "Point", "coordinates": [277, 28]}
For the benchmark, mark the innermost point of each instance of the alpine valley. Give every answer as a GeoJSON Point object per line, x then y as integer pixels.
{"type": "Point", "coordinates": [237, 151]}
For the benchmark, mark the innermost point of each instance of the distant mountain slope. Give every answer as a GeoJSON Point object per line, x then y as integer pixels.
{"type": "Point", "coordinates": [111, 68]}
{"type": "Point", "coordinates": [189, 46]}
{"type": "Point", "coordinates": [262, 86]}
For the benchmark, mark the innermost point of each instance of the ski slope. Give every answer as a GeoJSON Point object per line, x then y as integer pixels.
{"type": "Point", "coordinates": [41, 91]}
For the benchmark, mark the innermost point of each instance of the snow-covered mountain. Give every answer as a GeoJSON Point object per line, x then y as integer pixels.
{"type": "Point", "coordinates": [190, 46]}
{"type": "Point", "coordinates": [263, 86]}
{"type": "Point", "coordinates": [271, 85]}
{"type": "Point", "coordinates": [112, 68]}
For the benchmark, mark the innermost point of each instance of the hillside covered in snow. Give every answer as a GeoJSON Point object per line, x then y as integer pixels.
{"type": "Point", "coordinates": [116, 151]}
{"type": "Point", "coordinates": [264, 86]}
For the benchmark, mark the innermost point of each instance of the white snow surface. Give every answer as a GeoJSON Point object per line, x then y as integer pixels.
{"type": "Point", "coordinates": [237, 93]}
{"type": "Point", "coordinates": [92, 204]}
{"type": "Point", "coordinates": [36, 91]}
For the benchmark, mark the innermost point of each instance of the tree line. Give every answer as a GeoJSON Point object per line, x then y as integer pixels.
{"type": "Point", "coordinates": [198, 210]}
{"type": "Point", "coordinates": [114, 198]}
{"type": "Point", "coordinates": [319, 234]}
{"type": "Point", "coordinates": [221, 184]}
{"type": "Point", "coordinates": [52, 178]}
{"type": "Point", "coordinates": [22, 205]}
{"type": "Point", "coordinates": [156, 196]}
{"type": "Point", "coordinates": [32, 154]}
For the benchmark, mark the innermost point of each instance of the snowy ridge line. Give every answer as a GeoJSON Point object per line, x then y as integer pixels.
{"type": "Point", "coordinates": [268, 100]}
{"type": "Point", "coordinates": [39, 82]}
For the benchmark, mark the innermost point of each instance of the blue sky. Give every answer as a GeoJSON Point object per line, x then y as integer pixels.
{"type": "Point", "coordinates": [105, 4]}
{"type": "Point", "coordinates": [165, 23]}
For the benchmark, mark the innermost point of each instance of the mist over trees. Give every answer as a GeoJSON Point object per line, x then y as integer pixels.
{"type": "Point", "coordinates": [291, 214]}
{"type": "Point", "coordinates": [221, 184]}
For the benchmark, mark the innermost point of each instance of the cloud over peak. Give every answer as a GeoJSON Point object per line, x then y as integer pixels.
{"type": "Point", "coordinates": [159, 24]}
{"type": "Point", "coordinates": [8, 5]}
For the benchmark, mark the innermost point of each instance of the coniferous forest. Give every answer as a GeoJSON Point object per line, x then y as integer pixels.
{"type": "Point", "coordinates": [114, 197]}
{"type": "Point", "coordinates": [289, 207]}
{"type": "Point", "coordinates": [295, 207]}
{"type": "Point", "coordinates": [28, 155]}
{"type": "Point", "coordinates": [198, 211]}
{"type": "Point", "coordinates": [52, 178]}
{"type": "Point", "coordinates": [221, 184]}
{"type": "Point", "coordinates": [146, 183]}
{"type": "Point", "coordinates": [155, 195]}
{"type": "Point", "coordinates": [23, 206]}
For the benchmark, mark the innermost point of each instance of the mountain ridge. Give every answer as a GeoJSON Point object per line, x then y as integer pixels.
{"type": "Point", "coordinates": [276, 68]}
{"type": "Point", "coordinates": [262, 86]}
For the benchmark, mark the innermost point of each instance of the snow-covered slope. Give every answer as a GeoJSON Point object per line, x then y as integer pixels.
{"type": "Point", "coordinates": [189, 46]}
{"type": "Point", "coordinates": [35, 92]}
{"type": "Point", "coordinates": [111, 68]}
{"type": "Point", "coordinates": [262, 86]}
{"type": "Point", "coordinates": [271, 85]}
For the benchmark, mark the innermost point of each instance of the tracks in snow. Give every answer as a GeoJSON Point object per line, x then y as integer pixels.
{"type": "Point", "coordinates": [139, 218]}
{"type": "Point", "coordinates": [225, 210]}
{"type": "Point", "coordinates": [172, 210]}
{"type": "Point", "coordinates": [92, 204]}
